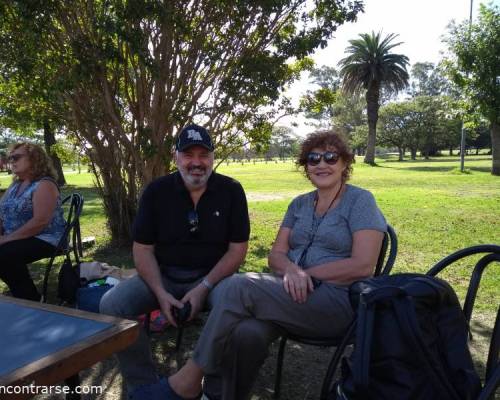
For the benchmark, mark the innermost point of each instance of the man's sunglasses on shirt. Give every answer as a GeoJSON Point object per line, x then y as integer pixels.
{"type": "Point", "coordinates": [193, 222]}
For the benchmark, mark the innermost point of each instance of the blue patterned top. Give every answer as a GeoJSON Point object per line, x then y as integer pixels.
{"type": "Point", "coordinates": [17, 210]}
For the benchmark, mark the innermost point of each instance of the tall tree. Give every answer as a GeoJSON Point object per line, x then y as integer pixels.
{"type": "Point", "coordinates": [474, 66]}
{"type": "Point", "coordinates": [371, 66]}
{"type": "Point", "coordinates": [428, 79]}
{"type": "Point", "coordinates": [131, 73]}
{"type": "Point", "coordinates": [396, 128]}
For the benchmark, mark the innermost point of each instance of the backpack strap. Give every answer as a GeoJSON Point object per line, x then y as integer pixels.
{"type": "Point", "coordinates": [406, 317]}
{"type": "Point", "coordinates": [364, 332]}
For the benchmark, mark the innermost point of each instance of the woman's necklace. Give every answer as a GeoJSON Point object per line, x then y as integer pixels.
{"type": "Point", "coordinates": [331, 202]}
{"type": "Point", "coordinates": [316, 222]}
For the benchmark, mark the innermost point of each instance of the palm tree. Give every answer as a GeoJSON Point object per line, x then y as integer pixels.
{"type": "Point", "coordinates": [371, 66]}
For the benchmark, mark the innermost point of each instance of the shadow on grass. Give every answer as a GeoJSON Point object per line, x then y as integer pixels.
{"type": "Point", "coordinates": [480, 169]}
{"type": "Point", "coordinates": [260, 251]}
{"type": "Point", "coordinates": [89, 194]}
{"type": "Point", "coordinates": [429, 169]}
{"type": "Point", "coordinates": [113, 255]}
{"type": "Point", "coordinates": [433, 159]}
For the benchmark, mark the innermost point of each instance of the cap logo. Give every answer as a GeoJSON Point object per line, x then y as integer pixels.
{"type": "Point", "coordinates": [194, 135]}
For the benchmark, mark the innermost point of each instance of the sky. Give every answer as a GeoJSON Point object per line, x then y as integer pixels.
{"type": "Point", "coordinates": [419, 23]}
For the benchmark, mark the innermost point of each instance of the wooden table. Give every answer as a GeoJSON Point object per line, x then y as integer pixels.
{"type": "Point", "coordinates": [43, 344]}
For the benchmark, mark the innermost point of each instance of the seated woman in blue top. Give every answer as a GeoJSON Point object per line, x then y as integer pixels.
{"type": "Point", "coordinates": [329, 238]}
{"type": "Point", "coordinates": [31, 218]}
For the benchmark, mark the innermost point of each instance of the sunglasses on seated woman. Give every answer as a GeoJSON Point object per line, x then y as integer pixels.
{"type": "Point", "coordinates": [330, 157]}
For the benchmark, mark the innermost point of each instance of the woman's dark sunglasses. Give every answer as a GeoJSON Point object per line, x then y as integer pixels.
{"type": "Point", "coordinates": [330, 158]}
{"type": "Point", "coordinates": [15, 157]}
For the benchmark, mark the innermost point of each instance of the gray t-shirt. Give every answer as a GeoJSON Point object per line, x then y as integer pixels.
{"type": "Point", "coordinates": [357, 210]}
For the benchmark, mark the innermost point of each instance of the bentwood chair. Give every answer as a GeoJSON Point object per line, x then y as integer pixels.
{"type": "Point", "coordinates": [71, 240]}
{"type": "Point", "coordinates": [384, 266]}
{"type": "Point", "coordinates": [491, 254]}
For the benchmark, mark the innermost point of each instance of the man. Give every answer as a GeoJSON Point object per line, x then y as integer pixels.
{"type": "Point", "coordinates": [191, 231]}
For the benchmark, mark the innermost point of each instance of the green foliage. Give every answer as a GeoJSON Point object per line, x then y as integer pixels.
{"type": "Point", "coordinates": [474, 66]}
{"type": "Point", "coordinates": [475, 63]}
{"type": "Point", "coordinates": [423, 123]}
{"type": "Point", "coordinates": [319, 104]}
{"type": "Point", "coordinates": [124, 76]}
{"type": "Point", "coordinates": [370, 63]}
{"type": "Point", "coordinates": [429, 80]}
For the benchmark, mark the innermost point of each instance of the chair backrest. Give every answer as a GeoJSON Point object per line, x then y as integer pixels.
{"type": "Point", "coordinates": [72, 229]}
{"type": "Point", "coordinates": [492, 254]}
{"type": "Point", "coordinates": [71, 239]}
{"type": "Point", "coordinates": [384, 266]}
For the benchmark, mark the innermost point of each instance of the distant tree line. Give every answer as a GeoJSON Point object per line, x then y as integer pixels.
{"type": "Point", "coordinates": [422, 112]}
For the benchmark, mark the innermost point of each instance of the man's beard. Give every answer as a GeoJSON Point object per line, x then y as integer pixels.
{"type": "Point", "coordinates": [192, 181]}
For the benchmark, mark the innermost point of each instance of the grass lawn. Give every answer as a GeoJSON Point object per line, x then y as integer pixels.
{"type": "Point", "coordinates": [434, 209]}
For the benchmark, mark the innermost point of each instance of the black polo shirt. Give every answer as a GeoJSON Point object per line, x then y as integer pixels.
{"type": "Point", "coordinates": [162, 220]}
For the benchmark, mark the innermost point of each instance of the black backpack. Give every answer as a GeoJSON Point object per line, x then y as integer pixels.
{"type": "Point", "coordinates": [68, 282]}
{"type": "Point", "coordinates": [410, 342]}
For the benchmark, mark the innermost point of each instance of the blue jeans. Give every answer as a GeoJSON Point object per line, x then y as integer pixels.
{"type": "Point", "coordinates": [132, 298]}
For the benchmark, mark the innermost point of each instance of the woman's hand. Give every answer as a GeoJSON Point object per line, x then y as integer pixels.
{"type": "Point", "coordinates": [297, 283]}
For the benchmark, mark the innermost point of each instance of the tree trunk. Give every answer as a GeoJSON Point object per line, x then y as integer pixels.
{"type": "Point", "coordinates": [372, 99]}
{"type": "Point", "coordinates": [495, 148]}
{"type": "Point", "coordinates": [50, 140]}
{"type": "Point", "coordinates": [413, 153]}
{"type": "Point", "coordinates": [401, 153]}
{"type": "Point", "coordinates": [451, 151]}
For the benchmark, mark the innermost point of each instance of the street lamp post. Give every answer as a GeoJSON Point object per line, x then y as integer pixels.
{"type": "Point", "coordinates": [462, 135]}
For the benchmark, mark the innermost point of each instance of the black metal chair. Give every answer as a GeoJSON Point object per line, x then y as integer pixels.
{"type": "Point", "coordinates": [383, 267]}
{"type": "Point", "coordinates": [491, 254]}
{"type": "Point", "coordinates": [71, 240]}
{"type": "Point", "coordinates": [492, 375]}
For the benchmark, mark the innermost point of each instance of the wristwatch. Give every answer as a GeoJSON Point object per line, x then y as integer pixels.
{"type": "Point", "coordinates": [207, 284]}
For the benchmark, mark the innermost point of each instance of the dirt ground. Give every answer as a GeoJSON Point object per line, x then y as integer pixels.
{"type": "Point", "coordinates": [303, 370]}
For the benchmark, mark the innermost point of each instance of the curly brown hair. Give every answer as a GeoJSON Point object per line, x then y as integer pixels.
{"type": "Point", "coordinates": [325, 139]}
{"type": "Point", "coordinates": [41, 164]}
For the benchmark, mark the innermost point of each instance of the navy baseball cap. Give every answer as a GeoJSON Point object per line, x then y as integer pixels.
{"type": "Point", "coordinates": [194, 135]}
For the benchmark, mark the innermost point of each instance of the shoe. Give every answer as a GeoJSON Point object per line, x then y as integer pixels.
{"type": "Point", "coordinates": [160, 390]}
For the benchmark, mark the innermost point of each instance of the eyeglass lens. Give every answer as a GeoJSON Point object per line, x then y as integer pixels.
{"type": "Point", "coordinates": [330, 158]}
{"type": "Point", "coordinates": [15, 157]}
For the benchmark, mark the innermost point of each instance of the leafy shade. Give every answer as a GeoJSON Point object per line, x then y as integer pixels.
{"type": "Point", "coordinates": [371, 63]}
{"type": "Point", "coordinates": [130, 74]}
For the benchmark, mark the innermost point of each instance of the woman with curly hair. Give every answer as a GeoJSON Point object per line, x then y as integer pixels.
{"type": "Point", "coordinates": [329, 238]}
{"type": "Point", "coordinates": [31, 218]}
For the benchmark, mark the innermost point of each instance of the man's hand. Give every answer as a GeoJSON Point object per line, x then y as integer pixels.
{"type": "Point", "coordinates": [297, 283]}
{"type": "Point", "coordinates": [196, 296]}
{"type": "Point", "coordinates": [167, 301]}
